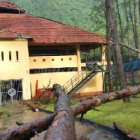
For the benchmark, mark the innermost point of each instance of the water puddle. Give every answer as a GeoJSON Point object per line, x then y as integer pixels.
{"type": "Point", "coordinates": [83, 131]}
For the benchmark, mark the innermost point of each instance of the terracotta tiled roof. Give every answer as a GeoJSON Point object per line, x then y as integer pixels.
{"type": "Point", "coordinates": [10, 34]}
{"type": "Point", "coordinates": [8, 5]}
{"type": "Point", "coordinates": [47, 31]}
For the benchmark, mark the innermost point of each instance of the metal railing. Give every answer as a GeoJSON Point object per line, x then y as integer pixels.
{"type": "Point", "coordinates": [75, 80]}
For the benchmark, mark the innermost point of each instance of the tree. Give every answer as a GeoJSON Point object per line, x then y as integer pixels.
{"type": "Point", "coordinates": [136, 37]}
{"type": "Point", "coordinates": [120, 21]}
{"type": "Point", "coordinates": [127, 23]}
{"type": "Point", "coordinates": [108, 36]}
{"type": "Point", "coordinates": [117, 52]}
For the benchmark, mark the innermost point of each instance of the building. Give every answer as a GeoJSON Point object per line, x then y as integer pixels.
{"type": "Point", "coordinates": [37, 49]}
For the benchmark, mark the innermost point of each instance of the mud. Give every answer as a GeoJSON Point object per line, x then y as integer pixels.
{"type": "Point", "coordinates": [23, 114]}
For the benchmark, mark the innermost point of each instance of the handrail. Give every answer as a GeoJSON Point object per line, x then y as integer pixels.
{"type": "Point", "coordinates": [72, 78]}
{"type": "Point", "coordinates": [91, 68]}
{"type": "Point", "coordinates": [75, 80]}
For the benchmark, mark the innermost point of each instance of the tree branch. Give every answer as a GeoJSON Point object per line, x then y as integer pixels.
{"type": "Point", "coordinates": [125, 133]}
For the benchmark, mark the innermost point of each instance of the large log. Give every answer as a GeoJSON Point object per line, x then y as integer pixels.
{"type": "Point", "coordinates": [94, 101]}
{"type": "Point", "coordinates": [27, 130]}
{"type": "Point", "coordinates": [42, 124]}
{"type": "Point", "coordinates": [63, 126]}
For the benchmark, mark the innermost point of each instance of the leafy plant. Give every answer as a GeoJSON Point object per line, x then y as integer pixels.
{"type": "Point", "coordinates": [1, 83]}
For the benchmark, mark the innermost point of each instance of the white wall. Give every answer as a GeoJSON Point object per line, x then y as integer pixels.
{"type": "Point", "coordinates": [15, 69]}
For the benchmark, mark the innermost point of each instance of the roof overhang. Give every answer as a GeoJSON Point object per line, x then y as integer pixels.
{"type": "Point", "coordinates": [7, 34]}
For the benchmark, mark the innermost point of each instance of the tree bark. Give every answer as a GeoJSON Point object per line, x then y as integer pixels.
{"type": "Point", "coordinates": [108, 38]}
{"type": "Point", "coordinates": [127, 23]}
{"type": "Point", "coordinates": [27, 130]}
{"type": "Point", "coordinates": [120, 21]}
{"type": "Point", "coordinates": [116, 48]}
{"type": "Point", "coordinates": [131, 17]}
{"type": "Point", "coordinates": [88, 104]}
{"type": "Point", "coordinates": [63, 126]}
{"type": "Point", "coordinates": [139, 10]}
{"type": "Point", "coordinates": [136, 37]}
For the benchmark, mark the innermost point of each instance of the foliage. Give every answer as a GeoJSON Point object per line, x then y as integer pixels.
{"type": "Point", "coordinates": [4, 113]}
{"type": "Point", "coordinates": [51, 104]}
{"type": "Point", "coordinates": [80, 13]}
{"type": "Point", "coordinates": [88, 15]}
{"type": "Point", "coordinates": [1, 83]}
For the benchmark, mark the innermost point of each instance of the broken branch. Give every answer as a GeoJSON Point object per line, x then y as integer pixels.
{"type": "Point", "coordinates": [125, 133]}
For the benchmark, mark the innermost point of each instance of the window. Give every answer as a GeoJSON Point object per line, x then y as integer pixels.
{"type": "Point", "coordinates": [2, 56]}
{"type": "Point", "coordinates": [10, 55]}
{"type": "Point", "coordinates": [17, 55]}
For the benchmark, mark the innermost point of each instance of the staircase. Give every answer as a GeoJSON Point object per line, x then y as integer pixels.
{"type": "Point", "coordinates": [81, 78]}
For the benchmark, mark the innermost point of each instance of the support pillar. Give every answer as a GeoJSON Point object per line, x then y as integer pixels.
{"type": "Point", "coordinates": [103, 56]}
{"type": "Point", "coordinates": [78, 57]}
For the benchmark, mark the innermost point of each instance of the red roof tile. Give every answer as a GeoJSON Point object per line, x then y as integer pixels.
{"type": "Point", "coordinates": [47, 31]}
{"type": "Point", "coordinates": [10, 34]}
{"type": "Point", "coordinates": [8, 5]}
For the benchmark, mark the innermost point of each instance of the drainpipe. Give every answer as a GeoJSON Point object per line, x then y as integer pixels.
{"type": "Point", "coordinates": [78, 57]}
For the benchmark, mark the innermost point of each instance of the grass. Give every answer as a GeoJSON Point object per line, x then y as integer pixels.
{"type": "Point", "coordinates": [127, 115]}
{"type": "Point", "coordinates": [5, 113]}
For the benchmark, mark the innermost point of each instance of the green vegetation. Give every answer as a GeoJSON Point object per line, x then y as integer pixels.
{"type": "Point", "coordinates": [1, 84]}
{"type": "Point", "coordinates": [5, 113]}
{"type": "Point", "coordinates": [127, 115]}
{"type": "Point", "coordinates": [52, 103]}
{"type": "Point", "coordinates": [77, 13]}
{"type": "Point", "coordinates": [84, 14]}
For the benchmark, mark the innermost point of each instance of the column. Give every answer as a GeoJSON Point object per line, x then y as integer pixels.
{"type": "Point", "coordinates": [78, 57]}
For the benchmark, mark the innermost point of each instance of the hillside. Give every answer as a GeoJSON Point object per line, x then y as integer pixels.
{"type": "Point", "coordinates": [78, 13]}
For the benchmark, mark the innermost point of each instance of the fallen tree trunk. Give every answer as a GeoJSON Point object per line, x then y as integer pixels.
{"type": "Point", "coordinates": [63, 125]}
{"type": "Point", "coordinates": [88, 104]}
{"type": "Point", "coordinates": [42, 124]}
{"type": "Point", "coordinates": [27, 130]}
